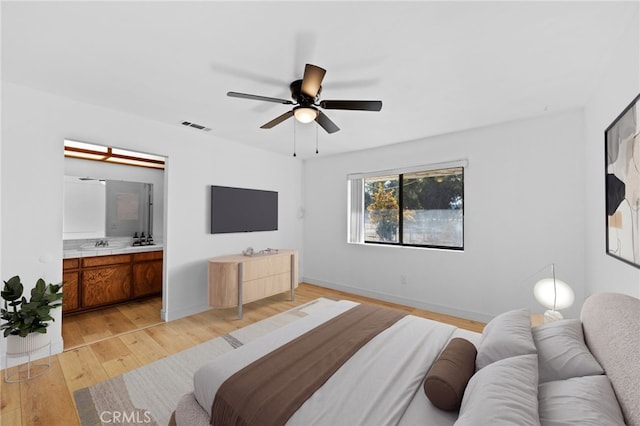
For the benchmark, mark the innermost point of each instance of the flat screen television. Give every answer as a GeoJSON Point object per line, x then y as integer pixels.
{"type": "Point", "coordinates": [243, 210]}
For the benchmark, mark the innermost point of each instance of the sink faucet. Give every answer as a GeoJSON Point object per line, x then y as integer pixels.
{"type": "Point", "coordinates": [102, 243]}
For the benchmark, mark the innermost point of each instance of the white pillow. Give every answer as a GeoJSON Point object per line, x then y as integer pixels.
{"type": "Point", "coordinates": [562, 353]}
{"type": "Point", "coordinates": [507, 335]}
{"type": "Point", "coordinates": [580, 401]}
{"type": "Point", "coordinates": [503, 393]}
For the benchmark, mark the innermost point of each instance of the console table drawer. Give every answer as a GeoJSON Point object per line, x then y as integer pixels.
{"type": "Point", "coordinates": [266, 266]}
{"type": "Point", "coordinates": [265, 287]}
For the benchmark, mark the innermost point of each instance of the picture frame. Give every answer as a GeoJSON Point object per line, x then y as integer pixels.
{"type": "Point", "coordinates": [622, 185]}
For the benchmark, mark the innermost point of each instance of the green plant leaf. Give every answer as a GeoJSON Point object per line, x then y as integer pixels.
{"type": "Point", "coordinates": [13, 289]}
{"type": "Point", "coordinates": [37, 293]}
{"type": "Point", "coordinates": [32, 316]}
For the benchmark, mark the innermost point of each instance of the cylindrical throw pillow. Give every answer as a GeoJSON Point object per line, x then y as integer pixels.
{"type": "Point", "coordinates": [447, 379]}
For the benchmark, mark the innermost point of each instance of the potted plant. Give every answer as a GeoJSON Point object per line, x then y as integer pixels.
{"type": "Point", "coordinates": [27, 319]}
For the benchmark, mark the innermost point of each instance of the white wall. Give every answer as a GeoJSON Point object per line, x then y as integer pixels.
{"type": "Point", "coordinates": [34, 125]}
{"type": "Point", "coordinates": [619, 85]}
{"type": "Point", "coordinates": [524, 209]}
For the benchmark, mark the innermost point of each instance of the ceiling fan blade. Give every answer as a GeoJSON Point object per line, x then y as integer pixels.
{"type": "Point", "coordinates": [326, 123]}
{"type": "Point", "coordinates": [312, 79]}
{"type": "Point", "coordinates": [352, 105]}
{"type": "Point", "coordinates": [277, 120]}
{"type": "Point", "coordinates": [259, 98]}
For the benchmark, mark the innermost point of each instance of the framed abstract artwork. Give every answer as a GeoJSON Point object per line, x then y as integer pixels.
{"type": "Point", "coordinates": [622, 185]}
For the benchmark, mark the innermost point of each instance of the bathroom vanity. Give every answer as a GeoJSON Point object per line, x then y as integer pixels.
{"type": "Point", "coordinates": [101, 222]}
{"type": "Point", "coordinates": [101, 278]}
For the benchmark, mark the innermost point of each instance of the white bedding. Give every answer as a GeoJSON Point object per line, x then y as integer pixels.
{"type": "Point", "coordinates": [210, 376]}
{"type": "Point", "coordinates": [382, 379]}
{"type": "Point", "coordinates": [420, 408]}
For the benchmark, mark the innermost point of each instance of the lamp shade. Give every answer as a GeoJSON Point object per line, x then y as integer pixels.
{"type": "Point", "coordinates": [553, 297]}
{"type": "Point", "coordinates": [305, 114]}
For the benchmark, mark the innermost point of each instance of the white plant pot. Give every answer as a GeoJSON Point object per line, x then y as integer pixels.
{"type": "Point", "coordinates": [17, 345]}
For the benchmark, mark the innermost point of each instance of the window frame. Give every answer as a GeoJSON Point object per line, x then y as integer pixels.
{"type": "Point", "coordinates": [355, 227]}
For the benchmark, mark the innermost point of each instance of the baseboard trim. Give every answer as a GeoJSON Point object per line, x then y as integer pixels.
{"type": "Point", "coordinates": [447, 310]}
{"type": "Point", "coordinates": [174, 314]}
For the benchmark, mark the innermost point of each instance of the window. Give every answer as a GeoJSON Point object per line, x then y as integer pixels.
{"type": "Point", "coordinates": [421, 207]}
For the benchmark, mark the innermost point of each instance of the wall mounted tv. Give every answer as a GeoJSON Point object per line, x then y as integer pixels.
{"type": "Point", "coordinates": [243, 210]}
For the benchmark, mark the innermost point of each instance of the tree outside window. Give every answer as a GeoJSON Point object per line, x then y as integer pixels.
{"type": "Point", "coordinates": [383, 209]}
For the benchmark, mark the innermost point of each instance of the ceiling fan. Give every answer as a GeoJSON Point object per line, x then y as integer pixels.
{"type": "Point", "coordinates": [306, 98]}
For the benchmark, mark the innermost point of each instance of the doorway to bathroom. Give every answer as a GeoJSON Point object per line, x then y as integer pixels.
{"type": "Point", "coordinates": [113, 229]}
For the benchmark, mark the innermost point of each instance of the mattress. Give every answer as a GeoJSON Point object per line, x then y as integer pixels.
{"type": "Point", "coordinates": [382, 378]}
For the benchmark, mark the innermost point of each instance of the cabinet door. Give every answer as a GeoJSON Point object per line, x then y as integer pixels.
{"type": "Point", "coordinates": [102, 286]}
{"type": "Point", "coordinates": [70, 291]}
{"type": "Point", "coordinates": [147, 278]}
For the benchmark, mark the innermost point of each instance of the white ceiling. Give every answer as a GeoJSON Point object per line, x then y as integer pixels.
{"type": "Point", "coordinates": [438, 67]}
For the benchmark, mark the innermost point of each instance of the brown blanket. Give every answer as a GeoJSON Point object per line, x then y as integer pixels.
{"type": "Point", "coordinates": [272, 388]}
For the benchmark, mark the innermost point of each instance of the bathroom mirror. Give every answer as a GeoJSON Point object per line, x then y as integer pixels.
{"type": "Point", "coordinates": [99, 208]}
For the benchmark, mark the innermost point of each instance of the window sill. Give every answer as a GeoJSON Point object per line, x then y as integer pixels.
{"type": "Point", "coordinates": [398, 246]}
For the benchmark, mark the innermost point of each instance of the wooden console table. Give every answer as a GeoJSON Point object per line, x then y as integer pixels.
{"type": "Point", "coordinates": [238, 279]}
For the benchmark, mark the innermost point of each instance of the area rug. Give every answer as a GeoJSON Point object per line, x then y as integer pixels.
{"type": "Point", "coordinates": [149, 394]}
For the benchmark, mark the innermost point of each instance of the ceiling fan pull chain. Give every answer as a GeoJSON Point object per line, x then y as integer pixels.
{"type": "Point", "coordinates": [316, 138]}
{"type": "Point", "coordinates": [294, 138]}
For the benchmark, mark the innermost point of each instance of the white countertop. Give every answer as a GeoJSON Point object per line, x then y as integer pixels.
{"type": "Point", "coordinates": [103, 251]}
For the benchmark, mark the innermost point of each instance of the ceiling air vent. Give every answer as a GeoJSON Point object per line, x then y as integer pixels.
{"type": "Point", "coordinates": [196, 126]}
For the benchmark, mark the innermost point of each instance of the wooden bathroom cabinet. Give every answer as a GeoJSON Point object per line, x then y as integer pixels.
{"type": "Point", "coordinates": [97, 281]}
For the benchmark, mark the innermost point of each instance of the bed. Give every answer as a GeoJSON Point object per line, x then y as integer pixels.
{"type": "Point", "coordinates": [572, 371]}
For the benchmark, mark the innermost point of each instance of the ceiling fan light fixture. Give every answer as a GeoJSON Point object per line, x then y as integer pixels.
{"type": "Point", "coordinates": [306, 98]}
{"type": "Point", "coordinates": [305, 114]}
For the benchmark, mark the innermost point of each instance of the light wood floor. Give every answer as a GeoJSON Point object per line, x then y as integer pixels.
{"type": "Point", "coordinates": [91, 327]}
{"type": "Point", "coordinates": [48, 399]}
